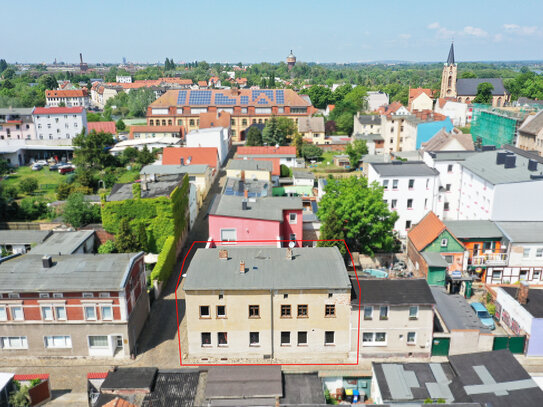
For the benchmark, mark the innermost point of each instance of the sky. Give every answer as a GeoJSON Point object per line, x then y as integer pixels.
{"type": "Point", "coordinates": [148, 31]}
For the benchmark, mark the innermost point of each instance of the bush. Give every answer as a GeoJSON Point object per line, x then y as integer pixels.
{"type": "Point", "coordinates": [285, 171]}
{"type": "Point", "coordinates": [79, 213]}
{"type": "Point", "coordinates": [107, 247]}
{"type": "Point", "coordinates": [33, 208]}
{"type": "Point", "coordinates": [166, 261]}
{"type": "Point", "coordinates": [28, 185]}
{"type": "Point", "coordinates": [491, 309]}
{"type": "Point", "coordinates": [63, 191]}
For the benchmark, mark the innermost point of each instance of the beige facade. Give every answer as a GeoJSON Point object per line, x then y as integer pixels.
{"type": "Point", "coordinates": [308, 336]}
{"type": "Point", "coordinates": [448, 81]}
{"type": "Point", "coordinates": [399, 133]}
{"type": "Point", "coordinates": [422, 102]}
{"type": "Point", "coordinates": [248, 174]}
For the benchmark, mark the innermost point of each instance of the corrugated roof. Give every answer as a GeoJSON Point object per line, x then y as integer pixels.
{"type": "Point", "coordinates": [268, 208]}
{"type": "Point", "coordinates": [434, 259]}
{"type": "Point", "coordinates": [404, 169]}
{"type": "Point", "coordinates": [426, 231]}
{"type": "Point", "coordinates": [474, 229]}
{"type": "Point", "coordinates": [268, 268]}
{"type": "Point", "coordinates": [522, 232]}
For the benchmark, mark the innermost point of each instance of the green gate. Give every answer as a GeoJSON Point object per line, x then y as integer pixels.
{"type": "Point", "coordinates": [515, 344]}
{"type": "Point", "coordinates": [440, 346]}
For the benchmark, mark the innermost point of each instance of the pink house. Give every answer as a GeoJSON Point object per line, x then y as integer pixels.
{"type": "Point", "coordinates": [233, 219]}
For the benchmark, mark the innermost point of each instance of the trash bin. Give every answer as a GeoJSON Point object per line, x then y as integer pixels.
{"type": "Point", "coordinates": [349, 395]}
{"type": "Point", "coordinates": [356, 396]}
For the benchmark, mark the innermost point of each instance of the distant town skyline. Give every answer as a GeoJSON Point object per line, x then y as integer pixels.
{"type": "Point", "coordinates": [248, 32]}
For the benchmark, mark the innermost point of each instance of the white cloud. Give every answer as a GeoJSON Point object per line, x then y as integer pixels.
{"type": "Point", "coordinates": [433, 26]}
{"type": "Point", "coordinates": [441, 32]}
{"type": "Point", "coordinates": [522, 29]}
{"type": "Point", "coordinates": [404, 36]}
{"type": "Point", "coordinates": [475, 32]}
{"type": "Point", "coordinates": [498, 38]}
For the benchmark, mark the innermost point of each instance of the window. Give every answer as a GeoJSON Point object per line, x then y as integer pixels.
{"type": "Point", "coordinates": [222, 339]}
{"type": "Point", "coordinates": [47, 313]}
{"type": "Point", "coordinates": [285, 296]}
{"type": "Point", "coordinates": [292, 218]}
{"type": "Point", "coordinates": [107, 312]}
{"type": "Point", "coordinates": [380, 337]}
{"type": "Point", "coordinates": [368, 313]}
{"type": "Point", "coordinates": [427, 183]}
{"type": "Point", "coordinates": [445, 206]}
{"type": "Point", "coordinates": [329, 337]}
{"type": "Point", "coordinates": [58, 295]}
{"type": "Point", "coordinates": [523, 275]}
{"type": "Point", "coordinates": [394, 184]}
{"type": "Point", "coordinates": [407, 224]}
{"type": "Point", "coordinates": [13, 342]}
{"type": "Point", "coordinates": [444, 242]}
{"type": "Point", "coordinates": [409, 204]}
{"type": "Point", "coordinates": [448, 187]}
{"type": "Point", "coordinates": [413, 312]}
{"type": "Point", "coordinates": [285, 338]}
{"type": "Point", "coordinates": [539, 252]}
{"type": "Point", "coordinates": [411, 183]}
{"type": "Point", "coordinates": [206, 338]}
{"type": "Point", "coordinates": [285, 311]}
{"type": "Point", "coordinates": [411, 338]}
{"type": "Point", "coordinates": [13, 295]}
{"type": "Point", "coordinates": [302, 338]}
{"type": "Point", "coordinates": [302, 311]}
{"type": "Point", "coordinates": [536, 276]}
{"type": "Point", "coordinates": [330, 310]}
{"type": "Point", "coordinates": [44, 295]}
{"type": "Point", "coordinates": [98, 342]}
{"type": "Point", "coordinates": [17, 313]}
{"type": "Point", "coordinates": [449, 168]}
{"type": "Point", "coordinates": [191, 122]}
{"type": "Point", "coordinates": [57, 341]}
{"type": "Point", "coordinates": [60, 313]}
{"type": "Point", "coordinates": [393, 204]}
{"type": "Point", "coordinates": [104, 295]}
{"type": "Point", "coordinates": [254, 338]}
{"type": "Point", "coordinates": [244, 123]}
{"type": "Point", "coordinates": [228, 235]}
{"type": "Point", "coordinates": [204, 311]}
{"type": "Point", "coordinates": [88, 295]}
{"type": "Point", "coordinates": [90, 312]}
{"type": "Point", "coordinates": [383, 312]}
{"type": "Point", "coordinates": [254, 311]}
{"type": "Point", "coordinates": [385, 184]}
{"type": "Point", "coordinates": [3, 313]}
{"type": "Point", "coordinates": [221, 311]}
{"type": "Point", "coordinates": [526, 253]}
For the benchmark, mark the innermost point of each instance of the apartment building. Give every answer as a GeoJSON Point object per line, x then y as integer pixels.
{"type": "Point", "coordinates": [268, 303]}
{"type": "Point", "coordinates": [72, 305]}
{"type": "Point", "coordinates": [285, 154]}
{"type": "Point", "coordinates": [218, 137]}
{"type": "Point", "coordinates": [67, 98]}
{"type": "Point", "coordinates": [57, 123]}
{"type": "Point", "coordinates": [16, 124]}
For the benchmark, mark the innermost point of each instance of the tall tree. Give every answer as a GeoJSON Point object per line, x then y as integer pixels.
{"type": "Point", "coordinates": [484, 93]}
{"type": "Point", "coordinates": [3, 65]}
{"type": "Point", "coordinates": [273, 134]}
{"type": "Point", "coordinates": [355, 151]}
{"type": "Point", "coordinates": [91, 150]}
{"type": "Point", "coordinates": [254, 137]}
{"type": "Point", "coordinates": [355, 211]}
{"type": "Point", "coordinates": [79, 213]}
{"type": "Point", "coordinates": [311, 152]}
{"type": "Point", "coordinates": [145, 156]}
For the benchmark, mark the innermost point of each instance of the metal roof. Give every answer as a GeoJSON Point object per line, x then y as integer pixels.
{"type": "Point", "coordinates": [473, 229]}
{"type": "Point", "coordinates": [63, 242]}
{"type": "Point", "coordinates": [455, 311]}
{"type": "Point", "coordinates": [89, 272]}
{"type": "Point", "coordinates": [374, 119]}
{"type": "Point", "coordinates": [451, 155]}
{"type": "Point", "coordinates": [250, 165]}
{"type": "Point", "coordinates": [523, 232]}
{"type": "Point", "coordinates": [23, 236]}
{"type": "Point", "coordinates": [434, 259]}
{"type": "Point", "coordinates": [268, 268]}
{"type": "Point", "coordinates": [174, 169]}
{"type": "Point", "coordinates": [267, 208]}
{"type": "Point", "coordinates": [404, 169]}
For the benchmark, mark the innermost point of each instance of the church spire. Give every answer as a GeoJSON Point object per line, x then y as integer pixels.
{"type": "Point", "coordinates": [450, 59]}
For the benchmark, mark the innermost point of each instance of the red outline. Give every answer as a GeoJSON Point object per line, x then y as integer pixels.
{"type": "Point", "coordinates": [268, 364]}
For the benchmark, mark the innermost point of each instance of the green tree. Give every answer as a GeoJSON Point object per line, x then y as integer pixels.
{"type": "Point", "coordinates": [284, 171]}
{"type": "Point", "coordinates": [254, 137]}
{"type": "Point", "coordinates": [28, 185]}
{"type": "Point", "coordinates": [32, 208]}
{"type": "Point", "coordinates": [298, 142]}
{"type": "Point", "coordinates": [48, 82]}
{"type": "Point", "coordinates": [467, 75]}
{"type": "Point", "coordinates": [3, 65]}
{"type": "Point", "coordinates": [145, 156]}
{"type": "Point", "coordinates": [320, 96]}
{"type": "Point", "coordinates": [127, 240]}
{"type": "Point", "coordinates": [91, 150]}
{"type": "Point", "coordinates": [355, 211]}
{"type": "Point", "coordinates": [484, 93]}
{"type": "Point", "coordinates": [287, 126]}
{"type": "Point", "coordinates": [355, 151]}
{"type": "Point", "coordinates": [311, 152]}
{"type": "Point", "coordinates": [107, 247]}
{"type": "Point", "coordinates": [79, 213]}
{"type": "Point", "coordinates": [357, 97]}
{"type": "Point", "coordinates": [4, 167]}
{"type": "Point", "coordinates": [263, 83]}
{"type": "Point", "coordinates": [63, 191]}
{"type": "Point", "coordinates": [120, 125]}
{"type": "Point", "coordinates": [8, 73]}
{"type": "Point", "coordinates": [19, 397]}
{"type": "Point", "coordinates": [273, 134]}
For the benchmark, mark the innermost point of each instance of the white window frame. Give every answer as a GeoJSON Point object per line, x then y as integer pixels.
{"type": "Point", "coordinates": [526, 252]}
{"type": "Point", "coordinates": [334, 338]}
{"type": "Point", "coordinates": [102, 312]}
{"type": "Point", "coordinates": [373, 339]}
{"type": "Point", "coordinates": [97, 347]}
{"type": "Point", "coordinates": [43, 309]}
{"type": "Point", "coordinates": [93, 307]}
{"type": "Point", "coordinates": [416, 308]}
{"type": "Point", "coordinates": [395, 183]}
{"type": "Point", "coordinates": [370, 309]}
{"type": "Point", "coordinates": [385, 184]}
{"type": "Point", "coordinates": [7, 339]}
{"type": "Point", "coordinates": [444, 242]}
{"type": "Point", "coordinates": [413, 341]}
{"type": "Point", "coordinates": [205, 345]}
{"type": "Point", "coordinates": [12, 307]}
{"type": "Point", "coordinates": [55, 313]}
{"type": "Point", "coordinates": [229, 230]}
{"type": "Point", "coordinates": [49, 340]}
{"type": "Point", "coordinates": [291, 220]}
{"type": "Point", "coordinates": [58, 295]}
{"type": "Point", "coordinates": [44, 295]}
{"type": "Point", "coordinates": [104, 295]}
{"type": "Point", "coordinates": [385, 316]}
{"type": "Point", "coordinates": [88, 295]}
{"type": "Point", "coordinates": [3, 313]}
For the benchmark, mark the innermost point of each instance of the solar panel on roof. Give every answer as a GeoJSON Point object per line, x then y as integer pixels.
{"type": "Point", "coordinates": [262, 102]}
{"type": "Point", "coordinates": [222, 99]}
{"type": "Point", "coordinates": [244, 100]}
{"type": "Point", "coordinates": [181, 97]}
{"type": "Point", "coordinates": [200, 97]}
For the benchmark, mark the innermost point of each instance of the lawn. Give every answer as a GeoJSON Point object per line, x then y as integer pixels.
{"type": "Point", "coordinates": [129, 176]}
{"type": "Point", "coordinates": [47, 181]}
{"type": "Point", "coordinates": [326, 162]}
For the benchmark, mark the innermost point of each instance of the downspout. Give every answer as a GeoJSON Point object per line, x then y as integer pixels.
{"type": "Point", "coordinates": [271, 322]}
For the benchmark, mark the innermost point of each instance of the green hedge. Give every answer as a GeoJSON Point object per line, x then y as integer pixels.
{"type": "Point", "coordinates": [162, 216]}
{"type": "Point", "coordinates": [166, 261]}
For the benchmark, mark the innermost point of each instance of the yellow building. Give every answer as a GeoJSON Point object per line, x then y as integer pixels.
{"type": "Point", "coordinates": [250, 169]}
{"type": "Point", "coordinates": [268, 303]}
{"type": "Point", "coordinates": [246, 107]}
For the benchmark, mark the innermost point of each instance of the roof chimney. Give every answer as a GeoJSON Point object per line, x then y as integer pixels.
{"type": "Point", "coordinates": [244, 206]}
{"type": "Point", "coordinates": [522, 293]}
{"type": "Point", "coordinates": [223, 254]}
{"type": "Point", "coordinates": [532, 165]}
{"type": "Point", "coordinates": [289, 253]}
{"type": "Point", "coordinates": [242, 266]}
{"type": "Point", "coordinates": [510, 161]}
{"type": "Point", "coordinates": [47, 262]}
{"type": "Point", "coordinates": [500, 157]}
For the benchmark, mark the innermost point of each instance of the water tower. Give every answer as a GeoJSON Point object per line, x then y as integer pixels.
{"type": "Point", "coordinates": [291, 61]}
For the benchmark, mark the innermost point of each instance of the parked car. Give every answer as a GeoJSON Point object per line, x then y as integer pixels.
{"type": "Point", "coordinates": [399, 266]}
{"type": "Point", "coordinates": [53, 167]}
{"type": "Point", "coordinates": [36, 167]}
{"type": "Point", "coordinates": [483, 314]}
{"type": "Point", "coordinates": [43, 163]}
{"type": "Point", "coordinates": [65, 169]}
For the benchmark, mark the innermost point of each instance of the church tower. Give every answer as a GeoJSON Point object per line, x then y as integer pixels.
{"type": "Point", "coordinates": [448, 78]}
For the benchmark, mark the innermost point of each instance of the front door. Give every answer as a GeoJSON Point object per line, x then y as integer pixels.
{"type": "Point", "coordinates": [118, 343]}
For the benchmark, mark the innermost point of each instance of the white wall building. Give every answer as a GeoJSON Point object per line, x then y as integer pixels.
{"type": "Point", "coordinates": [376, 99]}
{"type": "Point", "coordinates": [410, 188]}
{"type": "Point", "coordinates": [68, 98]}
{"type": "Point", "coordinates": [123, 79]}
{"type": "Point", "coordinates": [56, 123]}
{"type": "Point", "coordinates": [218, 137]}
{"type": "Point", "coordinates": [456, 111]}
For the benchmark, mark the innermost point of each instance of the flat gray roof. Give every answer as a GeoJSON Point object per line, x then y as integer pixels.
{"type": "Point", "coordinates": [250, 165]}
{"type": "Point", "coordinates": [434, 259]}
{"type": "Point", "coordinates": [303, 174]}
{"type": "Point", "coordinates": [18, 111]}
{"type": "Point", "coordinates": [174, 169]}
{"type": "Point", "coordinates": [63, 242]}
{"type": "Point", "coordinates": [452, 155]}
{"type": "Point", "coordinates": [23, 236]}
{"type": "Point", "coordinates": [78, 272]}
{"type": "Point", "coordinates": [227, 382]}
{"type": "Point", "coordinates": [150, 189]}
{"type": "Point", "coordinates": [525, 232]}
{"type": "Point", "coordinates": [404, 169]}
{"type": "Point", "coordinates": [456, 311]}
{"type": "Point", "coordinates": [473, 229]}
{"type": "Point", "coordinates": [484, 165]}
{"type": "Point", "coordinates": [267, 208]}
{"type": "Point", "coordinates": [268, 268]}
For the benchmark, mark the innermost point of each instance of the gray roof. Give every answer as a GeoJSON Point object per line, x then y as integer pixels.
{"type": "Point", "coordinates": [404, 169]}
{"type": "Point", "coordinates": [302, 389]}
{"type": "Point", "coordinates": [303, 175]}
{"type": "Point", "coordinates": [393, 292]}
{"type": "Point", "coordinates": [250, 165]}
{"type": "Point", "coordinates": [23, 236]}
{"type": "Point", "coordinates": [267, 208]}
{"type": "Point", "coordinates": [534, 304]}
{"type": "Point", "coordinates": [174, 169]}
{"type": "Point", "coordinates": [374, 119]}
{"type": "Point", "coordinates": [235, 186]}
{"type": "Point", "coordinates": [240, 382]}
{"type": "Point", "coordinates": [311, 124]}
{"type": "Point", "coordinates": [468, 87]}
{"type": "Point", "coordinates": [450, 58]}
{"type": "Point", "coordinates": [522, 232]}
{"type": "Point", "coordinates": [455, 311]}
{"type": "Point", "coordinates": [451, 155]}
{"type": "Point", "coordinates": [268, 268]}
{"type": "Point", "coordinates": [120, 192]}
{"type": "Point", "coordinates": [150, 189]}
{"type": "Point", "coordinates": [63, 242]}
{"type": "Point", "coordinates": [484, 165]}
{"type": "Point", "coordinates": [78, 272]}
{"type": "Point", "coordinates": [533, 124]}
{"type": "Point", "coordinates": [434, 259]}
{"type": "Point", "coordinates": [473, 229]}
{"type": "Point", "coordinates": [376, 158]}
{"type": "Point", "coordinates": [18, 111]}
{"type": "Point", "coordinates": [368, 137]}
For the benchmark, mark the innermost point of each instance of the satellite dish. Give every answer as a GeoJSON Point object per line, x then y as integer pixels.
{"type": "Point", "coordinates": [291, 245]}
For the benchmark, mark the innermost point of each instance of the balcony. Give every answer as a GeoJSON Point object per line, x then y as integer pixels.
{"type": "Point", "coordinates": [489, 259]}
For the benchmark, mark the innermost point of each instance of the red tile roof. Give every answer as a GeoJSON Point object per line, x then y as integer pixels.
{"type": "Point", "coordinates": [106, 127]}
{"type": "Point", "coordinates": [214, 119]}
{"type": "Point", "coordinates": [58, 110]}
{"type": "Point", "coordinates": [97, 375]}
{"type": "Point", "coordinates": [28, 377]}
{"type": "Point", "coordinates": [202, 83]}
{"type": "Point", "coordinates": [77, 93]}
{"type": "Point", "coordinates": [197, 155]}
{"type": "Point", "coordinates": [285, 150]}
{"type": "Point", "coordinates": [429, 115]}
{"type": "Point", "coordinates": [426, 231]}
{"type": "Point", "coordinates": [331, 107]}
{"type": "Point", "coordinates": [276, 164]}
